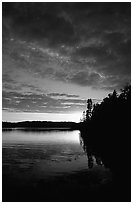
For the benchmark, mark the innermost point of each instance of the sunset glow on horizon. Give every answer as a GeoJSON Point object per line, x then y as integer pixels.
{"type": "Point", "coordinates": [17, 117]}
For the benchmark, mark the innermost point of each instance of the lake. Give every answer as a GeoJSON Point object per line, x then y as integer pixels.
{"type": "Point", "coordinates": [47, 166]}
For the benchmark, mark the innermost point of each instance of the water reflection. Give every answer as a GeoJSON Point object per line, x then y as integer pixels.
{"type": "Point", "coordinates": [43, 163]}
{"type": "Point", "coordinates": [43, 137]}
{"type": "Point", "coordinates": [42, 153]}
{"type": "Point", "coordinates": [93, 158]}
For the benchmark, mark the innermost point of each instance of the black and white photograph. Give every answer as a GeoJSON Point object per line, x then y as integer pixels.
{"type": "Point", "coordinates": [66, 101]}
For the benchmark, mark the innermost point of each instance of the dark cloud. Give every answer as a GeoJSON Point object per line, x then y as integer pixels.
{"type": "Point", "coordinates": [39, 21]}
{"type": "Point", "coordinates": [9, 87]}
{"type": "Point", "coordinates": [62, 22]}
{"type": "Point", "coordinates": [62, 95]}
{"type": "Point", "coordinates": [7, 79]}
{"type": "Point", "coordinates": [85, 79]}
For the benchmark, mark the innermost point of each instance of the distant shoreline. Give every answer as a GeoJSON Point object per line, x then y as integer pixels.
{"type": "Point", "coordinates": [40, 125]}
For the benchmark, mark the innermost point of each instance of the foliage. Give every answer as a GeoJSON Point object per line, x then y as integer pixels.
{"type": "Point", "coordinates": [110, 105]}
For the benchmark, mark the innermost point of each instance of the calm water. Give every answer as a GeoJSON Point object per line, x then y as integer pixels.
{"type": "Point", "coordinates": [47, 166]}
{"type": "Point", "coordinates": [39, 154]}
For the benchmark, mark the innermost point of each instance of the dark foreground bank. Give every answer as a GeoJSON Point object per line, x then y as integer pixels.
{"type": "Point", "coordinates": [93, 185]}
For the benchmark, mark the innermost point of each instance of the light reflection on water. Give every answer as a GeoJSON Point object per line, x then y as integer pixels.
{"type": "Point", "coordinates": [42, 161]}
{"type": "Point", "coordinates": [41, 154]}
{"type": "Point", "coordinates": [43, 137]}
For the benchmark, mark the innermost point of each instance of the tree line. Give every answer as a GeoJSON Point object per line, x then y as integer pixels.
{"type": "Point", "coordinates": [106, 133]}
{"type": "Point", "coordinates": [39, 125]}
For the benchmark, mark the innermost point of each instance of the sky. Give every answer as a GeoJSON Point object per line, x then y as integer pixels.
{"type": "Point", "coordinates": [57, 55]}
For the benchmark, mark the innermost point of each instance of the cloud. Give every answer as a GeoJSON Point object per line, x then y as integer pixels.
{"type": "Point", "coordinates": [6, 78]}
{"type": "Point", "coordinates": [39, 22]}
{"type": "Point", "coordinates": [86, 44]}
{"type": "Point", "coordinates": [62, 95]}
{"type": "Point", "coordinates": [85, 79]}
{"type": "Point", "coordinates": [32, 88]}
{"type": "Point", "coordinates": [40, 102]}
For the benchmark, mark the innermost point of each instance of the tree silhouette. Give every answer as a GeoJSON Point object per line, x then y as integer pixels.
{"type": "Point", "coordinates": [89, 109]}
{"type": "Point", "coordinates": [106, 133]}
